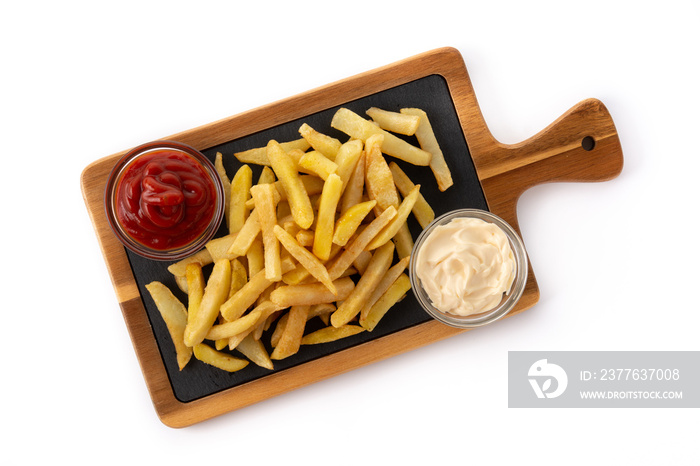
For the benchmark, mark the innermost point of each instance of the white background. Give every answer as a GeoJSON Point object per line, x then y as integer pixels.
{"type": "Point", "coordinates": [616, 262]}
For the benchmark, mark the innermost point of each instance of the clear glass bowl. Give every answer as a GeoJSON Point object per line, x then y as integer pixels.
{"type": "Point", "coordinates": [176, 253]}
{"type": "Point", "coordinates": [510, 298]}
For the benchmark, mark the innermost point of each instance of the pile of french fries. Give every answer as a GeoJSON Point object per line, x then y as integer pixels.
{"type": "Point", "coordinates": [322, 234]}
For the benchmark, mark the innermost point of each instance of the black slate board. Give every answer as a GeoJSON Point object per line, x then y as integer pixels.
{"type": "Point", "coordinates": [431, 94]}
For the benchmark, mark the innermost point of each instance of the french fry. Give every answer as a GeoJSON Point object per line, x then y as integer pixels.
{"type": "Point", "coordinates": [395, 292]}
{"type": "Point", "coordinates": [255, 351]}
{"type": "Point", "coordinates": [229, 329]}
{"type": "Point", "coordinates": [175, 317]}
{"type": "Point", "coordinates": [403, 241]}
{"type": "Point", "coordinates": [358, 245]}
{"type": "Point", "coordinates": [245, 236]}
{"type": "Point", "coordinates": [305, 237]}
{"type": "Point", "coordinates": [355, 126]}
{"type": "Point", "coordinates": [347, 224]}
{"type": "Point", "coordinates": [317, 164]}
{"type": "Point", "coordinates": [218, 247]}
{"type": "Point", "coordinates": [239, 277]}
{"type": "Point", "coordinates": [313, 185]}
{"type": "Point", "coordinates": [422, 211]}
{"type": "Point", "coordinates": [325, 220]}
{"type": "Point", "coordinates": [362, 261]}
{"type": "Point", "coordinates": [355, 186]}
{"type": "Point", "coordinates": [181, 283]}
{"type": "Point", "coordinates": [377, 267]}
{"type": "Point", "coordinates": [223, 361]}
{"type": "Point", "coordinates": [258, 155]}
{"type": "Point", "coordinates": [346, 159]}
{"type": "Point", "coordinates": [255, 257]}
{"type": "Point", "coordinates": [236, 305]}
{"type": "Point", "coordinates": [427, 141]}
{"type": "Point", "coordinates": [267, 216]}
{"type": "Point", "coordinates": [240, 191]}
{"type": "Point", "coordinates": [397, 222]}
{"type": "Point", "coordinates": [324, 144]}
{"type": "Point", "coordinates": [379, 181]}
{"type": "Point", "coordinates": [328, 334]}
{"type": "Point", "coordinates": [202, 258]}
{"type": "Point", "coordinates": [395, 122]}
{"type": "Point", "coordinates": [305, 258]}
{"type": "Point", "coordinates": [215, 294]}
{"type": "Point", "coordinates": [312, 293]}
{"type": "Point", "coordinates": [293, 186]}
{"type": "Point", "coordinates": [290, 341]}
{"type": "Point", "coordinates": [387, 280]}
{"type": "Point", "coordinates": [266, 309]}
{"type": "Point", "coordinates": [195, 287]}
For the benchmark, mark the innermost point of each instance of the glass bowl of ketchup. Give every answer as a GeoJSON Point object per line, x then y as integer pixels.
{"type": "Point", "coordinates": [164, 200]}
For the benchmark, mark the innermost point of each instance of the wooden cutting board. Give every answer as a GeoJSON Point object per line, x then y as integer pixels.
{"type": "Point", "coordinates": [582, 145]}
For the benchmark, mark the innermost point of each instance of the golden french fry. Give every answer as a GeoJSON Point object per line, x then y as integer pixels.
{"type": "Point", "coordinates": [239, 277]}
{"type": "Point", "coordinates": [305, 237]}
{"type": "Point", "coordinates": [229, 329]}
{"type": "Point", "coordinates": [427, 141]}
{"type": "Point", "coordinates": [202, 258]}
{"type": "Point", "coordinates": [403, 241]}
{"type": "Point", "coordinates": [305, 258]}
{"type": "Point", "coordinates": [245, 236]}
{"type": "Point", "coordinates": [312, 293]}
{"type": "Point", "coordinates": [317, 164]}
{"type": "Point", "coordinates": [255, 257]}
{"type": "Point", "coordinates": [395, 292]}
{"type": "Point", "coordinates": [362, 261]}
{"type": "Point", "coordinates": [379, 181]}
{"type": "Point", "coordinates": [395, 122]}
{"type": "Point", "coordinates": [422, 211]}
{"type": "Point", "coordinates": [215, 293]}
{"type": "Point", "coordinates": [236, 305]}
{"type": "Point", "coordinates": [219, 165]}
{"type": "Point", "coordinates": [346, 159]}
{"type": "Point", "coordinates": [195, 287]}
{"type": "Point", "coordinates": [328, 334]}
{"type": "Point", "coordinates": [293, 186]}
{"type": "Point", "coordinates": [313, 185]}
{"type": "Point", "coordinates": [355, 126]}
{"type": "Point", "coordinates": [267, 216]}
{"type": "Point", "coordinates": [387, 280]}
{"type": "Point", "coordinates": [355, 186]}
{"type": "Point", "coordinates": [325, 221]}
{"type": "Point", "coordinates": [377, 267]}
{"type": "Point", "coordinates": [181, 283]}
{"type": "Point", "coordinates": [347, 224]}
{"type": "Point", "coordinates": [266, 308]}
{"type": "Point", "coordinates": [293, 332]}
{"type": "Point", "coordinates": [255, 351]}
{"type": "Point", "coordinates": [360, 242]}
{"type": "Point", "coordinates": [324, 144]}
{"type": "Point", "coordinates": [223, 361]}
{"type": "Point", "coordinates": [397, 222]}
{"type": "Point", "coordinates": [219, 247]}
{"type": "Point", "coordinates": [258, 155]}
{"type": "Point", "coordinates": [267, 176]}
{"type": "Point", "coordinates": [240, 190]}
{"type": "Point", "coordinates": [175, 317]}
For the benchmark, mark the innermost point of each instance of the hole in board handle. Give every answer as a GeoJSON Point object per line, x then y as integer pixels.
{"type": "Point", "coordinates": [588, 143]}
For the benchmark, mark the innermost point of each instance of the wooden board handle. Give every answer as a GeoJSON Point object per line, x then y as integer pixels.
{"type": "Point", "coordinates": [581, 145]}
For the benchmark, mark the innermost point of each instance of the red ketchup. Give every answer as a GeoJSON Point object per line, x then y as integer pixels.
{"type": "Point", "coordinates": [165, 199]}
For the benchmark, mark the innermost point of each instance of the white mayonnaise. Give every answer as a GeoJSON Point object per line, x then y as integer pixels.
{"type": "Point", "coordinates": [465, 266]}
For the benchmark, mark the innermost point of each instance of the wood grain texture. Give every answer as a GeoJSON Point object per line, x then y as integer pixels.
{"type": "Point", "coordinates": [505, 171]}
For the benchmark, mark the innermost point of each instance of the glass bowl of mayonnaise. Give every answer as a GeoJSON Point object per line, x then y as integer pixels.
{"type": "Point", "coordinates": [468, 268]}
